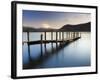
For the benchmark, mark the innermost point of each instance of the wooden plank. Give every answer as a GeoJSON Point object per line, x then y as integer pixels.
{"type": "Point", "coordinates": [50, 41]}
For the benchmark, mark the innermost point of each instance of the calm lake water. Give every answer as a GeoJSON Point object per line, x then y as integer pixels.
{"type": "Point", "coordinates": [75, 54]}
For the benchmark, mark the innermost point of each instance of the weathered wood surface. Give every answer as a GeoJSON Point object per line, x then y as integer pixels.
{"type": "Point", "coordinates": [49, 41]}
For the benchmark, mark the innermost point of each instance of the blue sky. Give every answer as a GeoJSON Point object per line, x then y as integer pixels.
{"type": "Point", "coordinates": [48, 19]}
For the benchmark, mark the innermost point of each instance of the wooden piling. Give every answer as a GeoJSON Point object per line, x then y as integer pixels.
{"type": "Point", "coordinates": [52, 39]}
{"type": "Point", "coordinates": [56, 36]}
{"type": "Point", "coordinates": [56, 40]}
{"type": "Point", "coordinates": [28, 37]}
{"type": "Point", "coordinates": [76, 34]}
{"type": "Point", "coordinates": [73, 35]}
{"type": "Point", "coordinates": [44, 35]}
{"type": "Point", "coordinates": [69, 35]}
{"type": "Point", "coordinates": [41, 45]}
{"type": "Point", "coordinates": [51, 35]}
{"type": "Point", "coordinates": [63, 37]}
{"type": "Point", "coordinates": [59, 35]}
{"type": "Point", "coordinates": [66, 35]}
{"type": "Point", "coordinates": [80, 34]}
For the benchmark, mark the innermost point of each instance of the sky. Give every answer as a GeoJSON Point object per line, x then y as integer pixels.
{"type": "Point", "coordinates": [55, 20]}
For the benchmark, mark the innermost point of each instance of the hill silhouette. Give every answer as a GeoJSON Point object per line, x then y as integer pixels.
{"type": "Point", "coordinates": [79, 27]}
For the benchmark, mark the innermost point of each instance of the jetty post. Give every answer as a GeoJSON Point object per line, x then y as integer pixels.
{"type": "Point", "coordinates": [28, 39]}
{"type": "Point", "coordinates": [45, 37]}
{"type": "Point", "coordinates": [56, 36]}
{"type": "Point", "coordinates": [77, 34]}
{"type": "Point", "coordinates": [69, 36]}
{"type": "Point", "coordinates": [59, 35]}
{"type": "Point", "coordinates": [52, 39]}
{"type": "Point", "coordinates": [41, 44]}
{"type": "Point", "coordinates": [51, 35]}
{"type": "Point", "coordinates": [80, 34]}
{"type": "Point", "coordinates": [56, 40]}
{"type": "Point", "coordinates": [62, 37]}
{"type": "Point", "coordinates": [66, 36]}
{"type": "Point", "coordinates": [59, 38]}
{"type": "Point", "coordinates": [73, 35]}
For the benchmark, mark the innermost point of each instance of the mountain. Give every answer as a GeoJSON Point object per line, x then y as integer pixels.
{"type": "Point", "coordinates": [30, 29]}
{"type": "Point", "coordinates": [78, 27]}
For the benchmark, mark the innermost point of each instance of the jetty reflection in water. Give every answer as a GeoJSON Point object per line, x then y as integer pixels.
{"type": "Point", "coordinates": [74, 54]}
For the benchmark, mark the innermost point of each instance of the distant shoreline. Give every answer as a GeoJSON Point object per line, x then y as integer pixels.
{"type": "Point", "coordinates": [86, 27]}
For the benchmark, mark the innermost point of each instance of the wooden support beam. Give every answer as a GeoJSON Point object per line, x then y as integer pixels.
{"type": "Point", "coordinates": [66, 35]}
{"type": "Point", "coordinates": [41, 45]}
{"type": "Point", "coordinates": [52, 39]}
{"type": "Point", "coordinates": [28, 37]}
{"type": "Point", "coordinates": [59, 35]}
{"type": "Point", "coordinates": [69, 33]}
{"type": "Point", "coordinates": [51, 35]}
{"type": "Point", "coordinates": [77, 34]}
{"type": "Point", "coordinates": [73, 35]}
{"type": "Point", "coordinates": [80, 34]}
{"type": "Point", "coordinates": [56, 36]}
{"type": "Point", "coordinates": [63, 37]}
{"type": "Point", "coordinates": [56, 40]}
{"type": "Point", "coordinates": [44, 35]}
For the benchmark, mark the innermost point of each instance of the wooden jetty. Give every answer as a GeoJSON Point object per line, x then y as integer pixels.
{"type": "Point", "coordinates": [61, 39]}
{"type": "Point", "coordinates": [49, 41]}
{"type": "Point", "coordinates": [70, 36]}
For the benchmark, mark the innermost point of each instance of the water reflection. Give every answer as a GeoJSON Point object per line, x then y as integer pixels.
{"type": "Point", "coordinates": [54, 55]}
